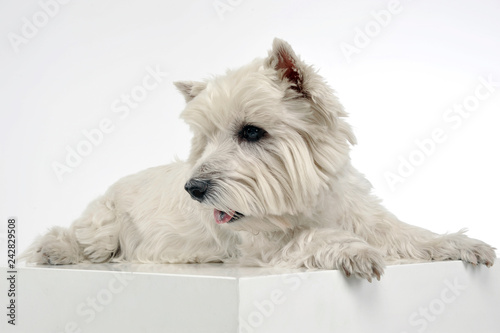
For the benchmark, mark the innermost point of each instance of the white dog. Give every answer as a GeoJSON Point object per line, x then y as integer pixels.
{"type": "Point", "coordinates": [272, 183]}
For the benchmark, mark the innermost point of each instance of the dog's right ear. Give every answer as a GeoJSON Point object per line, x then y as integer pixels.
{"type": "Point", "coordinates": [190, 89]}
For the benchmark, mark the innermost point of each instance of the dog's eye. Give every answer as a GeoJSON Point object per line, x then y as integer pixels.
{"type": "Point", "coordinates": [251, 133]}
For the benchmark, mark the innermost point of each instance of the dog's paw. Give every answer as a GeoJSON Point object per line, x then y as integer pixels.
{"type": "Point", "coordinates": [478, 252]}
{"type": "Point", "coordinates": [458, 246]}
{"type": "Point", "coordinates": [99, 254]}
{"type": "Point", "coordinates": [55, 255]}
{"type": "Point", "coordinates": [57, 247]}
{"type": "Point", "coordinates": [352, 258]}
{"type": "Point", "coordinates": [365, 262]}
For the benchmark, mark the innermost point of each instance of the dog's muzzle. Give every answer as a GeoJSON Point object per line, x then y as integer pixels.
{"type": "Point", "coordinates": [197, 188]}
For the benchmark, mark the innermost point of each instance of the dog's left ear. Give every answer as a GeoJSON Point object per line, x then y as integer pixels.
{"type": "Point", "coordinates": [289, 66]}
{"type": "Point", "coordinates": [190, 89]}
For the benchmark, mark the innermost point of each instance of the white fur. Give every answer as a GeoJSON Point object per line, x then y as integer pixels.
{"type": "Point", "coordinates": [303, 202]}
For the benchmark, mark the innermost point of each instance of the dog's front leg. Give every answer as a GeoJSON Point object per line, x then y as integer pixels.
{"type": "Point", "coordinates": [318, 248]}
{"type": "Point", "coordinates": [407, 242]}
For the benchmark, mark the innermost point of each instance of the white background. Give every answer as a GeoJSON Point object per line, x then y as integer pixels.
{"type": "Point", "coordinates": [64, 78]}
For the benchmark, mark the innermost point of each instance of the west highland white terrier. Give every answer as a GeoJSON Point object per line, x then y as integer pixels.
{"type": "Point", "coordinates": [268, 182]}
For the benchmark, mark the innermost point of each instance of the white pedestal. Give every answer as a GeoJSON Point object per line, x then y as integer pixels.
{"type": "Point", "coordinates": [432, 297]}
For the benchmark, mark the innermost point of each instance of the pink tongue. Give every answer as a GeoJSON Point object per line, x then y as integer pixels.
{"type": "Point", "coordinates": [223, 217]}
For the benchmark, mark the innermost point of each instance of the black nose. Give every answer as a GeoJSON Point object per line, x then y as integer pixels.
{"type": "Point", "coordinates": [197, 188]}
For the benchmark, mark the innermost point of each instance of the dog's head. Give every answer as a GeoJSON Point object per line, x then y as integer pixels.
{"type": "Point", "coordinates": [268, 138]}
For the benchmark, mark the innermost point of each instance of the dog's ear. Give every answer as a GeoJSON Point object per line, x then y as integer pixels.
{"type": "Point", "coordinates": [289, 66]}
{"type": "Point", "coordinates": [190, 89]}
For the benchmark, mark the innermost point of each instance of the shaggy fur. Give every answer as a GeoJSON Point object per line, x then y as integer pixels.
{"type": "Point", "coordinates": [270, 152]}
